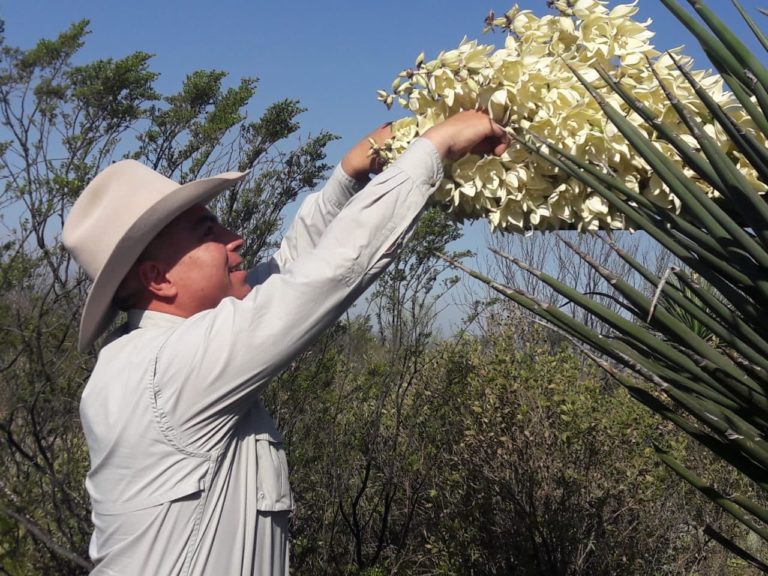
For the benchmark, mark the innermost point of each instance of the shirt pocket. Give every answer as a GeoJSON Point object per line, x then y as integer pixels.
{"type": "Point", "coordinates": [273, 488]}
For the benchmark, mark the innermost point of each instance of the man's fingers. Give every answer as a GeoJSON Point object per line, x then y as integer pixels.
{"type": "Point", "coordinates": [501, 148]}
{"type": "Point", "coordinates": [468, 131]}
{"type": "Point", "coordinates": [491, 145]}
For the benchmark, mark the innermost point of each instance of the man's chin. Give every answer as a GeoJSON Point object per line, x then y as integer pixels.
{"type": "Point", "coordinates": [242, 291]}
{"type": "Point", "coordinates": [240, 287]}
{"type": "Point", "coordinates": [245, 293]}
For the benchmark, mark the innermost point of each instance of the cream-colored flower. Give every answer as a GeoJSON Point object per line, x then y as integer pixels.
{"type": "Point", "coordinates": [528, 86]}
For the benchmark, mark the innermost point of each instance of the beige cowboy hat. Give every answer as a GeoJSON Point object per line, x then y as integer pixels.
{"type": "Point", "coordinates": [115, 218]}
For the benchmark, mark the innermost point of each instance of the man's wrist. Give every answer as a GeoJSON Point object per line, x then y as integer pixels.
{"type": "Point", "coordinates": [422, 162]}
{"type": "Point", "coordinates": [345, 183]}
{"type": "Point", "coordinates": [354, 171]}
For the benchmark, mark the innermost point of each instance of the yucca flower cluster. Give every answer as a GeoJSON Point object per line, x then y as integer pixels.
{"type": "Point", "coordinates": [529, 87]}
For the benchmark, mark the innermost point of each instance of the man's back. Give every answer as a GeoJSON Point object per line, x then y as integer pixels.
{"type": "Point", "coordinates": [187, 504]}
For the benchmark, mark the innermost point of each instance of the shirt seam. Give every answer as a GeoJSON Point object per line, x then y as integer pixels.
{"type": "Point", "coordinates": [187, 566]}
{"type": "Point", "coordinates": [418, 184]}
{"type": "Point", "coordinates": [347, 185]}
{"type": "Point", "coordinates": [416, 172]}
{"type": "Point", "coordinates": [171, 436]}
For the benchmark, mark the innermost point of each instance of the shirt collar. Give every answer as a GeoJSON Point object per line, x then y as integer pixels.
{"type": "Point", "coordinates": [152, 319]}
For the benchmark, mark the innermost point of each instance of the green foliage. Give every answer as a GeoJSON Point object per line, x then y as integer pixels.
{"type": "Point", "coordinates": [500, 454]}
{"type": "Point", "coordinates": [490, 454]}
{"type": "Point", "coordinates": [695, 353]}
{"type": "Point", "coordinates": [192, 123]}
{"type": "Point", "coordinates": [61, 124]}
{"type": "Point", "coordinates": [690, 310]}
{"type": "Point", "coordinates": [112, 91]}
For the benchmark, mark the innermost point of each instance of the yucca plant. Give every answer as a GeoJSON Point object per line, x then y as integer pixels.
{"type": "Point", "coordinates": [696, 350]}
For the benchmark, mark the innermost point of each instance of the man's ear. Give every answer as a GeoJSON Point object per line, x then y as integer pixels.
{"type": "Point", "coordinates": [154, 277]}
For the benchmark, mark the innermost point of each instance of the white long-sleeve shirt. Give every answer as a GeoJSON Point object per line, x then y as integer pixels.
{"type": "Point", "coordinates": [183, 453]}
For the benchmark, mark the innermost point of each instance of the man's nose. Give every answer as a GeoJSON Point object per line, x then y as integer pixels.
{"type": "Point", "coordinates": [230, 239]}
{"type": "Point", "coordinates": [236, 244]}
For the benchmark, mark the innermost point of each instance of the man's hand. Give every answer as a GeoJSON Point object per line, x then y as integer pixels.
{"type": "Point", "coordinates": [359, 162]}
{"type": "Point", "coordinates": [468, 131]}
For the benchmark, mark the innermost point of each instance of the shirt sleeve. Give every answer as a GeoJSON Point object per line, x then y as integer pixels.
{"type": "Point", "coordinates": [218, 360]}
{"type": "Point", "coordinates": [316, 212]}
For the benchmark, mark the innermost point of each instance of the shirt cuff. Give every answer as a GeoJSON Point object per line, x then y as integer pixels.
{"type": "Point", "coordinates": [340, 187]}
{"type": "Point", "coordinates": [349, 183]}
{"type": "Point", "coordinates": [412, 162]}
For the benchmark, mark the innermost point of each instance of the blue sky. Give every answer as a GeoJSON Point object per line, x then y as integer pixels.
{"type": "Point", "coordinates": [331, 55]}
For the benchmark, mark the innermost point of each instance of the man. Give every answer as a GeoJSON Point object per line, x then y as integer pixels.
{"type": "Point", "coordinates": [187, 471]}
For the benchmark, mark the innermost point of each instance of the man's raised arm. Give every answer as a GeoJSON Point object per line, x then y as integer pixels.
{"type": "Point", "coordinates": [320, 208]}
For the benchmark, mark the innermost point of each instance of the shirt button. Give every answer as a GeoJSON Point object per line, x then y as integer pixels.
{"type": "Point", "coordinates": [260, 495]}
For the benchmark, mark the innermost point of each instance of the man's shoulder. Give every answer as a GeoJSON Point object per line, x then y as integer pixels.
{"type": "Point", "coordinates": [117, 385]}
{"type": "Point", "coordinates": [125, 357]}
{"type": "Point", "coordinates": [124, 343]}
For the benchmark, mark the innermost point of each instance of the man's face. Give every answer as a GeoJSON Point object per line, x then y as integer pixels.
{"type": "Point", "coordinates": [202, 261]}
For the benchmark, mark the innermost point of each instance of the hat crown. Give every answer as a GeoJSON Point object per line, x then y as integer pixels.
{"type": "Point", "coordinates": [108, 207]}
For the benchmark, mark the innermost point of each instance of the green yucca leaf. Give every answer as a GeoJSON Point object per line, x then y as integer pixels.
{"type": "Point", "coordinates": [702, 209]}
{"type": "Point", "coordinates": [704, 256]}
{"type": "Point", "coordinates": [723, 315]}
{"type": "Point", "coordinates": [641, 213]}
{"type": "Point", "coordinates": [757, 90]}
{"type": "Point", "coordinates": [734, 505]}
{"type": "Point", "coordinates": [735, 385]}
{"type": "Point", "coordinates": [737, 322]}
{"type": "Point", "coordinates": [716, 406]}
{"type": "Point", "coordinates": [752, 350]}
{"type": "Point", "coordinates": [695, 202]}
{"type": "Point", "coordinates": [723, 448]}
{"type": "Point", "coordinates": [617, 322]}
{"type": "Point", "coordinates": [713, 315]}
{"type": "Point", "coordinates": [667, 323]}
{"type": "Point", "coordinates": [753, 150]}
{"type": "Point", "coordinates": [732, 43]}
{"type": "Point", "coordinates": [742, 95]}
{"type": "Point", "coordinates": [711, 408]}
{"type": "Point", "coordinates": [751, 23]}
{"type": "Point", "coordinates": [672, 379]}
{"type": "Point", "coordinates": [693, 159]}
{"type": "Point", "coordinates": [736, 189]}
{"type": "Point", "coordinates": [734, 548]}
{"type": "Point", "coordinates": [742, 436]}
{"type": "Point", "coordinates": [752, 317]}
{"type": "Point", "coordinates": [721, 57]}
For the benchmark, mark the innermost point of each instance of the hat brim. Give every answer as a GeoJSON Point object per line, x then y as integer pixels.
{"type": "Point", "coordinates": [99, 311]}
